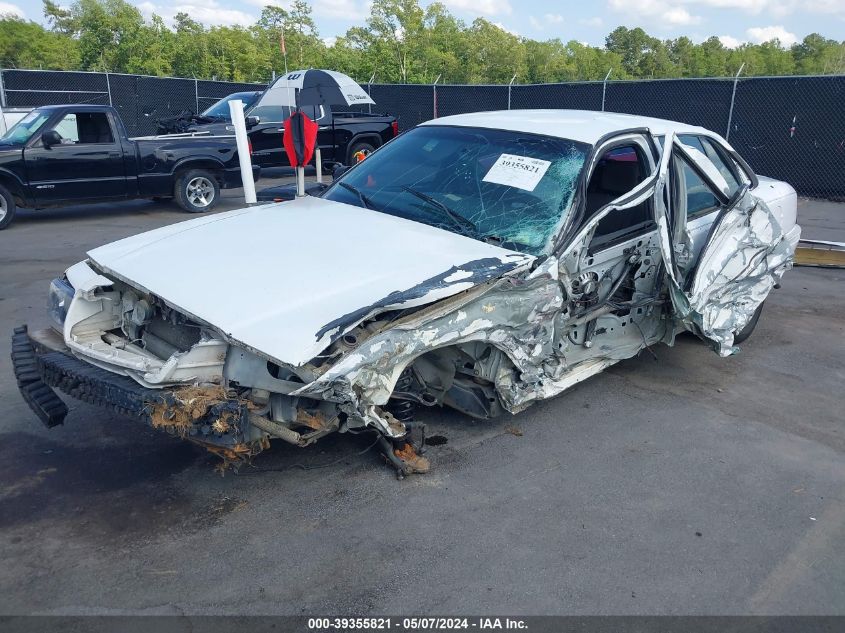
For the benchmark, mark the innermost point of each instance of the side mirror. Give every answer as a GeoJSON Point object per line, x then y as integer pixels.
{"type": "Point", "coordinates": [339, 170]}
{"type": "Point", "coordinates": [50, 138]}
{"type": "Point", "coordinates": [252, 121]}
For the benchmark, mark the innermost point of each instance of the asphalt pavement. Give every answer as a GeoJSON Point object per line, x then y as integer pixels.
{"type": "Point", "coordinates": [681, 484]}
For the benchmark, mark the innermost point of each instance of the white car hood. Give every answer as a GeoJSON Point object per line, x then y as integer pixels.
{"type": "Point", "coordinates": [288, 279]}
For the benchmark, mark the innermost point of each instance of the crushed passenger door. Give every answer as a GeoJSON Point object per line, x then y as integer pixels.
{"type": "Point", "coordinates": [746, 252]}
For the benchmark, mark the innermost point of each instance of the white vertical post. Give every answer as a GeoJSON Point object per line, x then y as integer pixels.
{"type": "Point", "coordinates": [236, 109]}
{"type": "Point", "coordinates": [733, 97]}
{"type": "Point", "coordinates": [108, 88]}
{"type": "Point", "coordinates": [510, 85]}
{"type": "Point", "coordinates": [300, 182]}
{"type": "Point", "coordinates": [434, 97]}
{"type": "Point", "coordinates": [604, 88]}
{"type": "Point", "coordinates": [318, 161]}
{"type": "Point", "coordinates": [370, 91]}
{"type": "Point", "coordinates": [2, 92]}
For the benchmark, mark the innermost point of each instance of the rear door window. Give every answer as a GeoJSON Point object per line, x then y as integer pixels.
{"type": "Point", "coordinates": [699, 198]}
{"type": "Point", "coordinates": [707, 148]}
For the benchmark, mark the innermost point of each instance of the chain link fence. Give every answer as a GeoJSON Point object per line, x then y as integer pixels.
{"type": "Point", "coordinates": [789, 128]}
{"type": "Point", "coordinates": [141, 100]}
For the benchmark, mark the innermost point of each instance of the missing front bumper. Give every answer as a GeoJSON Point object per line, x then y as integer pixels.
{"type": "Point", "coordinates": [203, 415]}
{"type": "Point", "coordinates": [209, 416]}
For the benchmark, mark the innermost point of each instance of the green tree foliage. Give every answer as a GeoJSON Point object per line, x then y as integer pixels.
{"type": "Point", "coordinates": [399, 42]}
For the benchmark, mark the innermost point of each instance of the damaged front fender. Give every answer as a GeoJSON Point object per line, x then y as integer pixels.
{"type": "Point", "coordinates": [512, 315]}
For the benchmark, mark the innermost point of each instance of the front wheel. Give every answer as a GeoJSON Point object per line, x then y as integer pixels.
{"type": "Point", "coordinates": [197, 191]}
{"type": "Point", "coordinates": [745, 332]}
{"type": "Point", "coordinates": [7, 208]}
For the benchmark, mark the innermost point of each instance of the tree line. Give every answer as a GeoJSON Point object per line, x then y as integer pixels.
{"type": "Point", "coordinates": [400, 42]}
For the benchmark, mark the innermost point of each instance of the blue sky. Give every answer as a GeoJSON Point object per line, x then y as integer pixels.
{"type": "Point", "coordinates": [735, 21]}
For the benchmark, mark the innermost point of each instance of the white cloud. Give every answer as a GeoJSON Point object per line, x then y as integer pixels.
{"type": "Point", "coordinates": [772, 7]}
{"type": "Point", "coordinates": [505, 29]}
{"type": "Point", "coordinates": [330, 41]}
{"type": "Point", "coordinates": [760, 34]}
{"type": "Point", "coordinates": [284, 4]}
{"type": "Point", "coordinates": [203, 11]}
{"type": "Point", "coordinates": [777, 6]}
{"type": "Point", "coordinates": [483, 7]}
{"type": "Point", "coordinates": [595, 22]}
{"type": "Point", "coordinates": [548, 19]}
{"type": "Point", "coordinates": [6, 8]}
{"type": "Point", "coordinates": [730, 42]}
{"type": "Point", "coordinates": [751, 6]}
{"type": "Point", "coordinates": [678, 16]}
{"type": "Point", "coordinates": [656, 12]}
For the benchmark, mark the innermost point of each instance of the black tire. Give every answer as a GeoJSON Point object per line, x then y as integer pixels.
{"type": "Point", "coordinates": [367, 148]}
{"type": "Point", "coordinates": [745, 332]}
{"type": "Point", "coordinates": [197, 190]}
{"type": "Point", "coordinates": [7, 208]}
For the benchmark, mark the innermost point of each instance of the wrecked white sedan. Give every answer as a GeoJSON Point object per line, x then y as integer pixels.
{"type": "Point", "coordinates": [482, 262]}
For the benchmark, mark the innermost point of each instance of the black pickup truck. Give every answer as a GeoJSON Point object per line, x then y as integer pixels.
{"type": "Point", "coordinates": [67, 154]}
{"type": "Point", "coordinates": [340, 134]}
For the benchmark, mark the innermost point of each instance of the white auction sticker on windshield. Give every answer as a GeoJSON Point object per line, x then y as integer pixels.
{"type": "Point", "coordinates": [522, 172]}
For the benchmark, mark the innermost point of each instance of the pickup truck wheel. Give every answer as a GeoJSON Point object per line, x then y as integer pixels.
{"type": "Point", "coordinates": [7, 208]}
{"type": "Point", "coordinates": [197, 191]}
{"type": "Point", "coordinates": [361, 146]}
{"type": "Point", "coordinates": [745, 332]}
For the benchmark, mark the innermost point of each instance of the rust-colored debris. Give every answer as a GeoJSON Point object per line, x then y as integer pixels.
{"type": "Point", "coordinates": [317, 421]}
{"type": "Point", "coordinates": [235, 456]}
{"type": "Point", "coordinates": [514, 430]}
{"type": "Point", "coordinates": [193, 405]}
{"type": "Point", "coordinates": [416, 463]}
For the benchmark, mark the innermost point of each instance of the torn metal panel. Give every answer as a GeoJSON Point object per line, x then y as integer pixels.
{"type": "Point", "coordinates": [745, 257]}
{"type": "Point", "coordinates": [516, 317]}
{"type": "Point", "coordinates": [746, 252]}
{"type": "Point", "coordinates": [456, 279]}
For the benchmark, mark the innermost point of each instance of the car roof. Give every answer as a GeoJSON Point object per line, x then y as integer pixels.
{"type": "Point", "coordinates": [76, 106]}
{"type": "Point", "coordinates": [585, 126]}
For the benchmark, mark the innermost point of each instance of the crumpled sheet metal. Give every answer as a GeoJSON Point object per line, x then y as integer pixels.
{"type": "Point", "coordinates": [515, 315]}
{"type": "Point", "coordinates": [745, 257]}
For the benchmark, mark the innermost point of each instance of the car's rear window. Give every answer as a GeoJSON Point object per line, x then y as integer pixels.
{"type": "Point", "coordinates": [505, 187]}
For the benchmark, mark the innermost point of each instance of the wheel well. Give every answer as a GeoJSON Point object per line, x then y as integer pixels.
{"type": "Point", "coordinates": [13, 186]}
{"type": "Point", "coordinates": [209, 165]}
{"type": "Point", "coordinates": [461, 376]}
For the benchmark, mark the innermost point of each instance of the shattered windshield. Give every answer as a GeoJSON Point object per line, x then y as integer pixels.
{"type": "Point", "coordinates": [220, 110]}
{"type": "Point", "coordinates": [23, 130]}
{"type": "Point", "coordinates": [508, 188]}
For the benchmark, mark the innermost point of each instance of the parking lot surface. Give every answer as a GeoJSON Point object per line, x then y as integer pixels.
{"type": "Point", "coordinates": [681, 484]}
